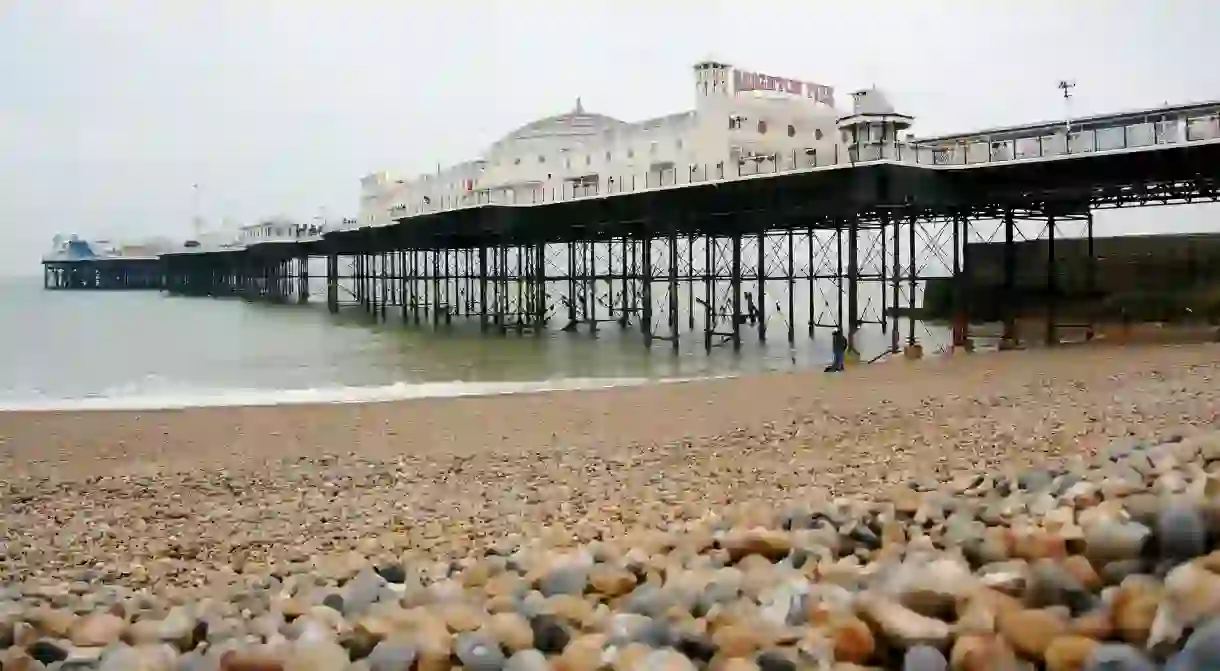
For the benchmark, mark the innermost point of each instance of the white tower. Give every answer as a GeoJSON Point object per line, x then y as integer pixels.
{"type": "Point", "coordinates": [873, 131]}
{"type": "Point", "coordinates": [713, 80]}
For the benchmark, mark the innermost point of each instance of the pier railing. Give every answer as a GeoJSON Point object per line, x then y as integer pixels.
{"type": "Point", "coordinates": [941, 154]}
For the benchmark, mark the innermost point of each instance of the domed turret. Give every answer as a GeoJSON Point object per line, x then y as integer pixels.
{"type": "Point", "coordinates": [873, 130]}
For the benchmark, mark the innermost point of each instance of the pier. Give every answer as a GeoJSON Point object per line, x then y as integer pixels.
{"type": "Point", "coordinates": [104, 273]}
{"type": "Point", "coordinates": [824, 240]}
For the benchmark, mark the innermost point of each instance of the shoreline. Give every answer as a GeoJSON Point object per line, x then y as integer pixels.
{"type": "Point", "coordinates": [74, 443]}
{"type": "Point", "coordinates": [338, 395]}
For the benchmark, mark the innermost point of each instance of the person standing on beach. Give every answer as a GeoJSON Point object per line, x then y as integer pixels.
{"type": "Point", "coordinates": [838, 346]}
{"type": "Point", "coordinates": [751, 310]}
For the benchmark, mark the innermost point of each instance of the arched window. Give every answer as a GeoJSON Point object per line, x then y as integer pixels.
{"type": "Point", "coordinates": [762, 127]}
{"type": "Point", "coordinates": [791, 130]}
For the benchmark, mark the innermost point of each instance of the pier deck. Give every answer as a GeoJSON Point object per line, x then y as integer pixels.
{"type": "Point", "coordinates": [820, 241]}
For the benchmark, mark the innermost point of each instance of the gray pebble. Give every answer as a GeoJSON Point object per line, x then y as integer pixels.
{"type": "Point", "coordinates": [1203, 646]}
{"type": "Point", "coordinates": [478, 652]}
{"type": "Point", "coordinates": [361, 592]}
{"type": "Point", "coordinates": [646, 599]}
{"type": "Point", "coordinates": [1034, 480]}
{"type": "Point", "coordinates": [526, 660]}
{"type": "Point", "coordinates": [1181, 532]}
{"type": "Point", "coordinates": [656, 633]}
{"type": "Point", "coordinates": [924, 658]}
{"type": "Point", "coordinates": [564, 580]}
{"type": "Point", "coordinates": [532, 605]}
{"type": "Point", "coordinates": [666, 660]}
{"type": "Point", "coordinates": [1109, 540]}
{"type": "Point", "coordinates": [1118, 657]}
{"type": "Point", "coordinates": [334, 602]}
{"type": "Point", "coordinates": [770, 660]}
{"type": "Point", "coordinates": [392, 656]}
{"type": "Point", "coordinates": [1066, 482]}
{"type": "Point", "coordinates": [194, 661]}
{"type": "Point", "coordinates": [1116, 571]}
{"type": "Point", "coordinates": [1049, 584]}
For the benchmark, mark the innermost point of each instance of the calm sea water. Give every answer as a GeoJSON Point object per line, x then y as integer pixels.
{"type": "Point", "coordinates": [139, 349]}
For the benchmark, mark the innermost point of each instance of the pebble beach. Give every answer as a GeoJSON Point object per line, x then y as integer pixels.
{"type": "Point", "coordinates": [1049, 509]}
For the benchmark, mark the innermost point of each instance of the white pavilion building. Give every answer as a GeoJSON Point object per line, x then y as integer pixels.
{"type": "Point", "coordinates": [742, 123]}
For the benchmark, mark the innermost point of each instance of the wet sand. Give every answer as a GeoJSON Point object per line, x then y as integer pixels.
{"type": "Point", "coordinates": [807, 416]}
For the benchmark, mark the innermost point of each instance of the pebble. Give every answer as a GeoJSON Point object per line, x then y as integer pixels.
{"type": "Point", "coordinates": [478, 652]}
{"type": "Point", "coordinates": [1111, 564]}
{"type": "Point", "coordinates": [924, 658]}
{"type": "Point", "coordinates": [1181, 532]}
{"type": "Point", "coordinates": [1118, 657]}
{"type": "Point", "coordinates": [526, 660]}
{"type": "Point", "coordinates": [550, 635]}
{"type": "Point", "coordinates": [392, 655]}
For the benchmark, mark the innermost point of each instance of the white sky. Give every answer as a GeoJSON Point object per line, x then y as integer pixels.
{"type": "Point", "coordinates": [111, 109]}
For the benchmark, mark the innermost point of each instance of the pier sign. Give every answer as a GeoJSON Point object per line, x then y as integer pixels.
{"type": "Point", "coordinates": [757, 81]}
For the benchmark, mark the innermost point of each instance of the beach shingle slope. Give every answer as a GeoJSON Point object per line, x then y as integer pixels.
{"type": "Point", "coordinates": [1063, 514]}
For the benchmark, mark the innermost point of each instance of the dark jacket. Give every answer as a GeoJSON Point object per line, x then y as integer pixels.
{"type": "Point", "coordinates": [839, 343]}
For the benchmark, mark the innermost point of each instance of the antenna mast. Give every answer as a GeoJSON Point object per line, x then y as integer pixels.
{"type": "Point", "coordinates": [196, 219]}
{"type": "Point", "coordinates": [1066, 85]}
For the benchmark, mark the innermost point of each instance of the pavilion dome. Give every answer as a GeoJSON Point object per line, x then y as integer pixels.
{"type": "Point", "coordinates": [577, 123]}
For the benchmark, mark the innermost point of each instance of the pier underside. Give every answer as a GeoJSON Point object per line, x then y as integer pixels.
{"type": "Point", "coordinates": [719, 264]}
{"type": "Point", "coordinates": [105, 274]}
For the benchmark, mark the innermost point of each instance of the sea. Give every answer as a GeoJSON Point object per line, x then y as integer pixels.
{"type": "Point", "coordinates": [66, 350]}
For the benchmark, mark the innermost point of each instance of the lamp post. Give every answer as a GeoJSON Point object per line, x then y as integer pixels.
{"type": "Point", "coordinates": [196, 215]}
{"type": "Point", "coordinates": [1066, 85]}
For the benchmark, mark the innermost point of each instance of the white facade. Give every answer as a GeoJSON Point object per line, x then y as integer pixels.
{"type": "Point", "coordinates": [741, 123]}
{"type": "Point", "coordinates": [277, 229]}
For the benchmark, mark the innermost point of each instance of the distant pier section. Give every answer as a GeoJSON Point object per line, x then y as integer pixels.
{"type": "Point", "coordinates": [74, 263]}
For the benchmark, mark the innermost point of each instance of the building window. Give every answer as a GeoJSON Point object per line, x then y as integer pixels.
{"type": "Point", "coordinates": [608, 156]}
{"type": "Point", "coordinates": [652, 148]}
{"type": "Point", "coordinates": [791, 130]}
{"type": "Point", "coordinates": [517, 161]}
{"type": "Point", "coordinates": [541, 158]}
{"type": "Point", "coordinates": [817, 133]}
{"type": "Point", "coordinates": [630, 153]}
{"type": "Point", "coordinates": [762, 127]}
{"type": "Point", "coordinates": [589, 159]}
{"type": "Point", "coordinates": [678, 143]}
{"type": "Point", "coordinates": [567, 162]}
{"type": "Point", "coordinates": [735, 122]}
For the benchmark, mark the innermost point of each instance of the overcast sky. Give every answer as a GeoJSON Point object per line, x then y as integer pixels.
{"type": "Point", "coordinates": [111, 109]}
